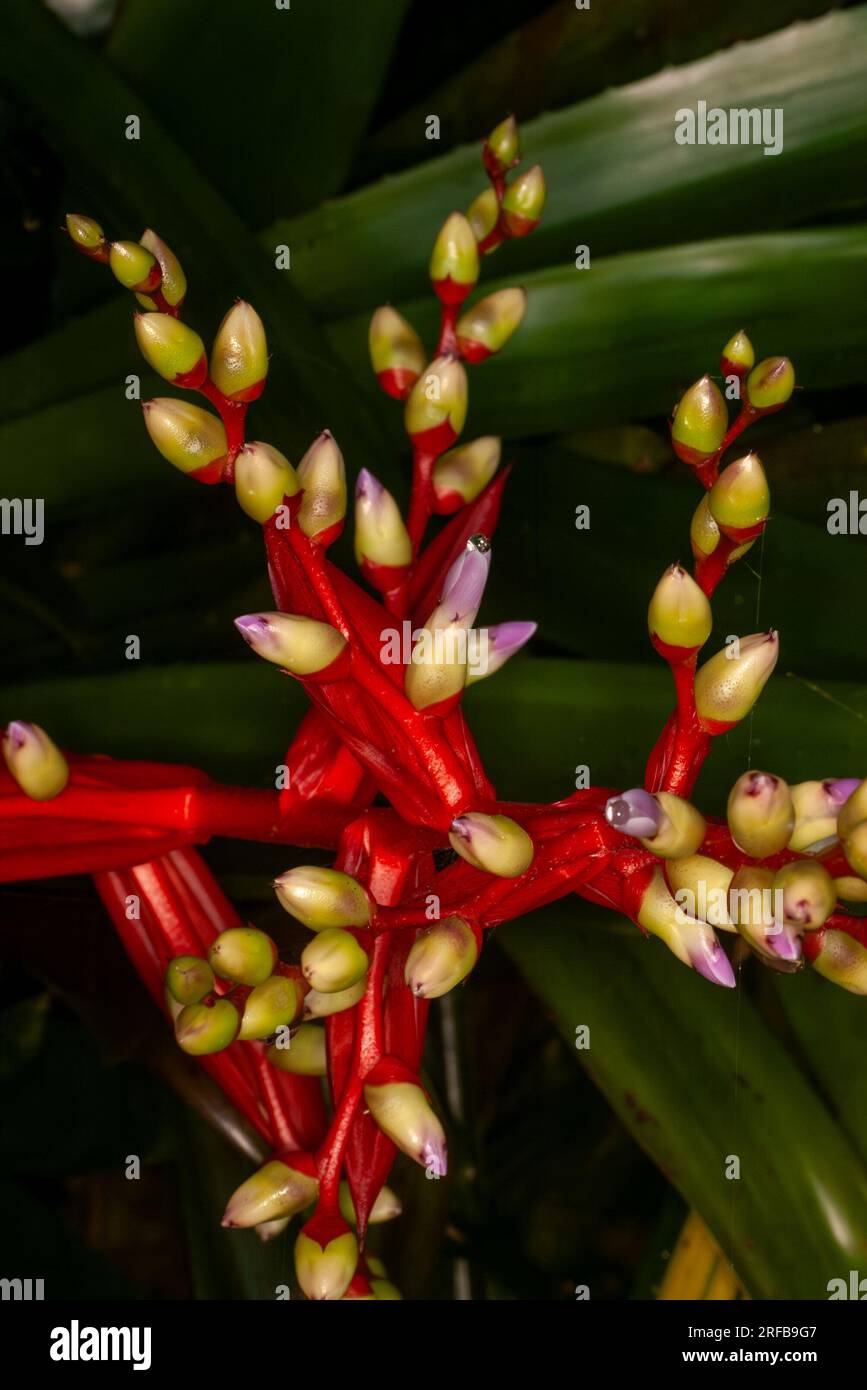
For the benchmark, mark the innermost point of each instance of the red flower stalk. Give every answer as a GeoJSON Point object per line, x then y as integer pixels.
{"type": "Point", "coordinates": [385, 674]}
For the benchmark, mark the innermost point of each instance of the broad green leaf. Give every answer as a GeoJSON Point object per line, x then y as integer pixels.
{"type": "Point", "coordinates": [80, 106]}
{"type": "Point", "coordinates": [616, 177]}
{"type": "Point", "coordinates": [698, 1077]}
{"type": "Point", "coordinates": [565, 54]}
{"type": "Point", "coordinates": [276, 99]}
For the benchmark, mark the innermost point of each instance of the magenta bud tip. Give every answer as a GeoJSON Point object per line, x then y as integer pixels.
{"type": "Point", "coordinates": [434, 1158]}
{"type": "Point", "coordinates": [714, 965]}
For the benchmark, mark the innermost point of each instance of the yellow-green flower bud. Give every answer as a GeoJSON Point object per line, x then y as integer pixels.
{"type": "Point", "coordinates": [403, 1113]}
{"type": "Point", "coordinates": [85, 233]}
{"type": "Point", "coordinates": [462, 473]}
{"type": "Point", "coordinates": [318, 1005]}
{"type": "Point", "coordinates": [842, 960]}
{"type": "Point", "coordinates": [441, 957]}
{"type": "Point", "coordinates": [239, 356]}
{"type": "Point", "coordinates": [850, 889]}
{"type": "Point", "coordinates": [322, 898]}
{"type": "Point", "coordinates": [333, 961]}
{"type": "Point", "coordinates": [34, 760]}
{"type": "Point", "coordinates": [381, 538]}
{"type": "Point", "coordinates": [263, 478]}
{"type": "Point", "coordinates": [738, 356]}
{"type": "Point", "coordinates": [524, 202]}
{"type": "Point", "coordinates": [682, 830]}
{"type": "Point", "coordinates": [243, 954]}
{"type": "Point", "coordinates": [700, 886]}
{"type": "Point", "coordinates": [386, 1206]}
{"type": "Point", "coordinates": [396, 352]}
{"type": "Point", "coordinates": [502, 149]}
{"type": "Point", "coordinates": [770, 384]}
{"type": "Point", "coordinates": [201, 1029]}
{"type": "Point", "coordinates": [192, 439]}
{"type": "Point", "coordinates": [134, 266]}
{"type": "Point", "coordinates": [487, 325]}
{"type": "Point", "coordinates": [692, 941]}
{"type": "Point", "coordinates": [728, 685]}
{"type": "Point", "coordinates": [679, 615]}
{"type": "Point", "coordinates": [325, 1271]}
{"type": "Point", "coordinates": [754, 904]}
{"type": "Point", "coordinates": [700, 422]}
{"type": "Point", "coordinates": [703, 531]}
{"type": "Point", "coordinates": [305, 1055]}
{"type": "Point", "coordinates": [172, 349]}
{"type": "Point", "coordinates": [761, 814]}
{"type": "Point", "coordinates": [855, 848]}
{"type": "Point", "coordinates": [740, 499]}
{"type": "Point", "coordinates": [853, 810]}
{"type": "Point", "coordinates": [302, 646]}
{"type": "Point", "coordinates": [276, 1003]}
{"type": "Point", "coordinates": [495, 844]}
{"type": "Point", "coordinates": [437, 404]}
{"type": "Point", "coordinates": [189, 979]}
{"type": "Point", "coordinates": [483, 214]}
{"type": "Point", "coordinates": [454, 263]}
{"type": "Point", "coordinates": [322, 475]}
{"type": "Point", "coordinates": [808, 896]}
{"type": "Point", "coordinates": [277, 1191]}
{"type": "Point", "coordinates": [173, 286]}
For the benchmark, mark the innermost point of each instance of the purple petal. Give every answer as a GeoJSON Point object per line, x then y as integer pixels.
{"type": "Point", "coordinates": [711, 961]}
{"type": "Point", "coordinates": [634, 812]}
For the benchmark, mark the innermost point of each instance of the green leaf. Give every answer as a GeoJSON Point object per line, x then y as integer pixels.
{"type": "Point", "coordinates": [698, 1077]}
{"type": "Point", "coordinates": [563, 55]}
{"type": "Point", "coordinates": [616, 177]}
{"type": "Point", "coordinates": [278, 99]}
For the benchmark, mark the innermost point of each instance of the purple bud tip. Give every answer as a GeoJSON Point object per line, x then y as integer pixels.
{"type": "Point", "coordinates": [461, 827]}
{"type": "Point", "coordinates": [841, 788]}
{"type": "Point", "coordinates": [634, 812]}
{"type": "Point", "coordinates": [368, 486]}
{"type": "Point", "coordinates": [761, 784]}
{"type": "Point", "coordinates": [508, 638]}
{"type": "Point", "coordinates": [18, 733]}
{"type": "Point", "coordinates": [713, 963]}
{"type": "Point", "coordinates": [253, 628]}
{"type": "Point", "coordinates": [433, 1156]}
{"type": "Point", "coordinates": [465, 582]}
{"type": "Point", "coordinates": [785, 943]}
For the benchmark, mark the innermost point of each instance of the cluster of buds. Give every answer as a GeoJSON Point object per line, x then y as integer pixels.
{"type": "Point", "coordinates": [346, 1020]}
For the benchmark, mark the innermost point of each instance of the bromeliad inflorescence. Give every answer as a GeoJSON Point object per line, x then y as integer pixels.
{"type": "Point", "coordinates": [389, 723]}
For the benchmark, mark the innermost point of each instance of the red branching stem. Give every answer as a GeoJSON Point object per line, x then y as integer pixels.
{"type": "Point", "coordinates": [708, 471]}
{"type": "Point", "coordinates": [233, 415]}
{"type": "Point", "coordinates": [447, 342]}
{"type": "Point", "coordinates": [420, 498]}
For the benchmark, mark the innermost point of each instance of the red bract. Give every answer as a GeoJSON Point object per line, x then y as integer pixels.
{"type": "Point", "coordinates": [400, 917]}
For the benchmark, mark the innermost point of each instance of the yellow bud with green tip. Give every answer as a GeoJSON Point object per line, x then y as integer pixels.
{"type": "Point", "coordinates": [738, 356]}
{"type": "Point", "coordinates": [396, 352]}
{"type": "Point", "coordinates": [321, 898]}
{"type": "Point", "coordinates": [524, 202]}
{"type": "Point", "coordinates": [189, 979]}
{"type": "Point", "coordinates": [173, 286]}
{"type": "Point", "coordinates": [462, 473]}
{"type": "Point", "coordinates": [454, 262]}
{"type": "Point", "coordinates": [503, 147]}
{"type": "Point", "coordinates": [134, 266]}
{"type": "Point", "coordinates": [679, 614]}
{"type": "Point", "coordinates": [437, 404]}
{"type": "Point", "coordinates": [700, 422]}
{"type": "Point", "coordinates": [190, 438]}
{"type": "Point", "coordinates": [728, 685]}
{"type": "Point", "coordinates": [172, 349]}
{"type": "Point", "coordinates": [34, 760]}
{"type": "Point", "coordinates": [318, 1005]}
{"type": "Point", "coordinates": [84, 232]}
{"type": "Point", "coordinates": [324, 1270]}
{"type": "Point", "coordinates": [487, 325]}
{"type": "Point", "coordinates": [770, 384]}
{"type": "Point", "coordinates": [322, 475]}
{"type": "Point", "coordinates": [333, 961]}
{"type": "Point", "coordinates": [703, 531]}
{"type": "Point", "coordinates": [244, 955]}
{"type": "Point", "coordinates": [278, 1190]}
{"type": "Point", "coordinates": [740, 499]}
{"type": "Point", "coordinates": [263, 478]}
{"type": "Point", "coordinates": [305, 1054]}
{"type": "Point", "coordinates": [276, 1003]}
{"type": "Point", "coordinates": [483, 214]}
{"type": "Point", "coordinates": [239, 356]}
{"type": "Point", "coordinates": [202, 1029]}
